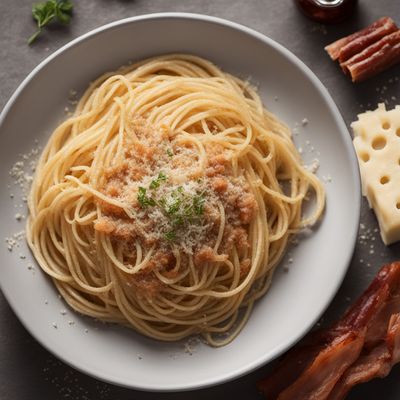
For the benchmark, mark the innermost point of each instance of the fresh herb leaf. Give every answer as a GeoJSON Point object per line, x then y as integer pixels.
{"type": "Point", "coordinates": [49, 11]}
{"type": "Point", "coordinates": [180, 207]}
{"type": "Point", "coordinates": [157, 182]}
{"type": "Point", "coordinates": [170, 153]}
{"type": "Point", "coordinates": [177, 220]}
{"type": "Point", "coordinates": [198, 204]}
{"type": "Point", "coordinates": [170, 236]}
{"type": "Point", "coordinates": [143, 199]}
{"type": "Point", "coordinates": [173, 206]}
{"type": "Point", "coordinates": [65, 6]}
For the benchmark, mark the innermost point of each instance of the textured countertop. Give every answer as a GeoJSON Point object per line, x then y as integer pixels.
{"type": "Point", "coordinates": [28, 371]}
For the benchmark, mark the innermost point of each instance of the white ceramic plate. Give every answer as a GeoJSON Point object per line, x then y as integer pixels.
{"type": "Point", "coordinates": [296, 299]}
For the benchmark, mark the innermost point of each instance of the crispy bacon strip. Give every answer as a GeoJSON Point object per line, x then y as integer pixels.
{"type": "Point", "coordinates": [321, 376]}
{"type": "Point", "coordinates": [346, 47]}
{"type": "Point", "coordinates": [393, 338]}
{"type": "Point", "coordinates": [387, 56]}
{"type": "Point", "coordinates": [374, 364]}
{"type": "Point", "coordinates": [363, 345]}
{"type": "Point", "coordinates": [369, 51]}
{"type": "Point", "coordinates": [393, 39]}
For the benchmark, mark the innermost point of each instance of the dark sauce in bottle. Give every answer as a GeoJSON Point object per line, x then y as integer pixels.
{"type": "Point", "coordinates": [327, 11]}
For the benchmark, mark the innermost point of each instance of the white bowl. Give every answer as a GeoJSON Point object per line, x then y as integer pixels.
{"type": "Point", "coordinates": [296, 299]}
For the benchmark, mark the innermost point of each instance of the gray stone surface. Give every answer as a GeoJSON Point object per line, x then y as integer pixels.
{"type": "Point", "coordinates": [27, 371]}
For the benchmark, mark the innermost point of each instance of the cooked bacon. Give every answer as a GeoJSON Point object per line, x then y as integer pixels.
{"type": "Point", "coordinates": [346, 47]}
{"type": "Point", "coordinates": [247, 205]}
{"type": "Point", "coordinates": [145, 282]}
{"type": "Point", "coordinates": [393, 338]}
{"type": "Point", "coordinates": [162, 260]}
{"type": "Point", "coordinates": [391, 39]}
{"type": "Point", "coordinates": [219, 184]}
{"type": "Point", "coordinates": [205, 255]}
{"type": "Point", "coordinates": [104, 225]}
{"type": "Point", "coordinates": [386, 55]}
{"type": "Point", "coordinates": [245, 267]}
{"type": "Point", "coordinates": [363, 345]}
{"type": "Point", "coordinates": [235, 236]}
{"type": "Point", "coordinates": [369, 51]}
{"type": "Point", "coordinates": [374, 364]}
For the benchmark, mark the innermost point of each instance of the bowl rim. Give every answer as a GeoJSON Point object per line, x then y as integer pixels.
{"type": "Point", "coordinates": [262, 360]}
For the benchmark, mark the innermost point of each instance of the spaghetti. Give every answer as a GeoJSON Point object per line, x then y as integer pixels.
{"type": "Point", "coordinates": [167, 200]}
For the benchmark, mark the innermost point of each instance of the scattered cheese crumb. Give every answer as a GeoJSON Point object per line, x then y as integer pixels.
{"type": "Point", "coordinates": [327, 178]}
{"type": "Point", "coordinates": [14, 240]}
{"type": "Point", "coordinates": [190, 344]}
{"type": "Point", "coordinates": [72, 93]}
{"type": "Point", "coordinates": [313, 167]}
{"type": "Point", "coordinates": [19, 216]}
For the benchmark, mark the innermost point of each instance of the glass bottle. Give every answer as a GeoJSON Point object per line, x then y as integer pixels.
{"type": "Point", "coordinates": [327, 11]}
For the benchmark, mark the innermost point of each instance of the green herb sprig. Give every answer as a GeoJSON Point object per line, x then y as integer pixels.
{"type": "Point", "coordinates": [198, 204]}
{"type": "Point", "coordinates": [49, 11]}
{"type": "Point", "coordinates": [178, 206]}
{"type": "Point", "coordinates": [155, 183]}
{"type": "Point", "coordinates": [144, 199]}
{"type": "Point", "coordinates": [170, 236]}
{"type": "Point", "coordinates": [182, 210]}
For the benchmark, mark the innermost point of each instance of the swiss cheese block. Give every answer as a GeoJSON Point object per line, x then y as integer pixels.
{"type": "Point", "coordinates": [377, 143]}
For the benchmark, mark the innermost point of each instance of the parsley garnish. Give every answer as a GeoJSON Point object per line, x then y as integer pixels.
{"type": "Point", "coordinates": [157, 182]}
{"type": "Point", "coordinates": [173, 204]}
{"type": "Point", "coordinates": [198, 204]}
{"type": "Point", "coordinates": [170, 153]}
{"type": "Point", "coordinates": [170, 236]}
{"type": "Point", "coordinates": [183, 209]}
{"type": "Point", "coordinates": [180, 207]}
{"type": "Point", "coordinates": [143, 199]}
{"type": "Point", "coordinates": [48, 11]}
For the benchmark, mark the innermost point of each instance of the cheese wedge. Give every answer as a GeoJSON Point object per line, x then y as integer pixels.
{"type": "Point", "coordinates": [377, 144]}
